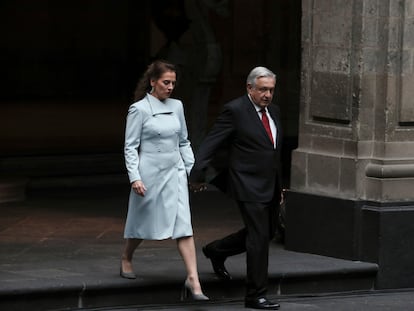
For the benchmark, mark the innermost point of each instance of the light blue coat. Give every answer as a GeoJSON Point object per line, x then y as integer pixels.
{"type": "Point", "coordinates": [158, 152]}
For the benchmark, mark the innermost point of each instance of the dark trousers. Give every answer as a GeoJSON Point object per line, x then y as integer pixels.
{"type": "Point", "coordinates": [259, 227]}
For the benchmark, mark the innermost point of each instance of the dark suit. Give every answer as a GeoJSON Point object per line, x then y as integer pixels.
{"type": "Point", "coordinates": [252, 177]}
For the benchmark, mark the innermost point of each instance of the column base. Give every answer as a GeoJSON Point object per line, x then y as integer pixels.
{"type": "Point", "coordinates": [355, 230]}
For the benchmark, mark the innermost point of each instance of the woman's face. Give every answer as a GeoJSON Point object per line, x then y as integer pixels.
{"type": "Point", "coordinates": [163, 87]}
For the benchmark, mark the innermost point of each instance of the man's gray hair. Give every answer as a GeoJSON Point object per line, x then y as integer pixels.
{"type": "Point", "coordinates": [259, 72]}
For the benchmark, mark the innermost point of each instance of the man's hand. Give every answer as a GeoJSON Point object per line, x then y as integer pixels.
{"type": "Point", "coordinates": [198, 187]}
{"type": "Point", "coordinates": [282, 196]}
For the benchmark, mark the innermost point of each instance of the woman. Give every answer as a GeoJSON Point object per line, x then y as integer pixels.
{"type": "Point", "coordinates": [159, 158]}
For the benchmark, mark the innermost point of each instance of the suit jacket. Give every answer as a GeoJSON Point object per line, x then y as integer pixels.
{"type": "Point", "coordinates": [250, 169]}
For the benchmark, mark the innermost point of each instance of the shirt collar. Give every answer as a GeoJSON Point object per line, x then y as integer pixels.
{"type": "Point", "coordinates": [258, 108]}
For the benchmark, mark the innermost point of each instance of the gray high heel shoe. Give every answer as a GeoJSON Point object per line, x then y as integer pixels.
{"type": "Point", "coordinates": [187, 290]}
{"type": "Point", "coordinates": [127, 275]}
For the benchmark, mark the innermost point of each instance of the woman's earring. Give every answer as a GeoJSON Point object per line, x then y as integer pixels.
{"type": "Point", "coordinates": [152, 90]}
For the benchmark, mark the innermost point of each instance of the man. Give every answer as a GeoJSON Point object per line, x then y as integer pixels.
{"type": "Point", "coordinates": [250, 129]}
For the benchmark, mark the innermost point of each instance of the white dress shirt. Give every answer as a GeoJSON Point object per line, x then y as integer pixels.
{"type": "Point", "coordinates": [271, 121]}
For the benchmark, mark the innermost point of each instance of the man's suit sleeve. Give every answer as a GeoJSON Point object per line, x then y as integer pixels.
{"type": "Point", "coordinates": [214, 141]}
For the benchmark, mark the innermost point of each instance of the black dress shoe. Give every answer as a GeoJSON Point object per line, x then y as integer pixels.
{"type": "Point", "coordinates": [218, 265]}
{"type": "Point", "coordinates": [261, 303]}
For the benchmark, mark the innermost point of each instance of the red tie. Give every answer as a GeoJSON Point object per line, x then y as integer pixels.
{"type": "Point", "coordinates": [265, 121]}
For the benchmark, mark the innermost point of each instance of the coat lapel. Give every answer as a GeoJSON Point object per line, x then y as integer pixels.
{"type": "Point", "coordinates": [159, 107]}
{"type": "Point", "coordinates": [273, 113]}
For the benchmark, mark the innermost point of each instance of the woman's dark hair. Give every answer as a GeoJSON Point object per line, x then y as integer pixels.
{"type": "Point", "coordinates": [154, 71]}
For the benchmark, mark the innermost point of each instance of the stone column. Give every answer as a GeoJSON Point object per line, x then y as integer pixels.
{"type": "Point", "coordinates": [352, 175]}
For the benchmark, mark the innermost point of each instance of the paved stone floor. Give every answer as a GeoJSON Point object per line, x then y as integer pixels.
{"type": "Point", "coordinates": [69, 243]}
{"type": "Point", "coordinates": [380, 301]}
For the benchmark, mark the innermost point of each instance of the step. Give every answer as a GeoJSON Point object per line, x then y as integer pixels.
{"type": "Point", "coordinates": [78, 286]}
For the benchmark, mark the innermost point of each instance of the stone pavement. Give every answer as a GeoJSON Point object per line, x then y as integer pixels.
{"type": "Point", "coordinates": [60, 250]}
{"type": "Point", "coordinates": [384, 300]}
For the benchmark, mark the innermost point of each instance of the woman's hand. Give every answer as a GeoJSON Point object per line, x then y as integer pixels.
{"type": "Point", "coordinates": [139, 187]}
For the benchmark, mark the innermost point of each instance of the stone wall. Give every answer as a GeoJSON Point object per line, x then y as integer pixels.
{"type": "Point", "coordinates": [356, 103]}
{"type": "Point", "coordinates": [353, 172]}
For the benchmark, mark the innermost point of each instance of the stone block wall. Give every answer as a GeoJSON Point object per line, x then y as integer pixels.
{"type": "Point", "coordinates": [352, 176]}
{"type": "Point", "coordinates": [357, 118]}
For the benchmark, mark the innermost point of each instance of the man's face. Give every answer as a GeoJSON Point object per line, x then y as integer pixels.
{"type": "Point", "coordinates": [262, 92]}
